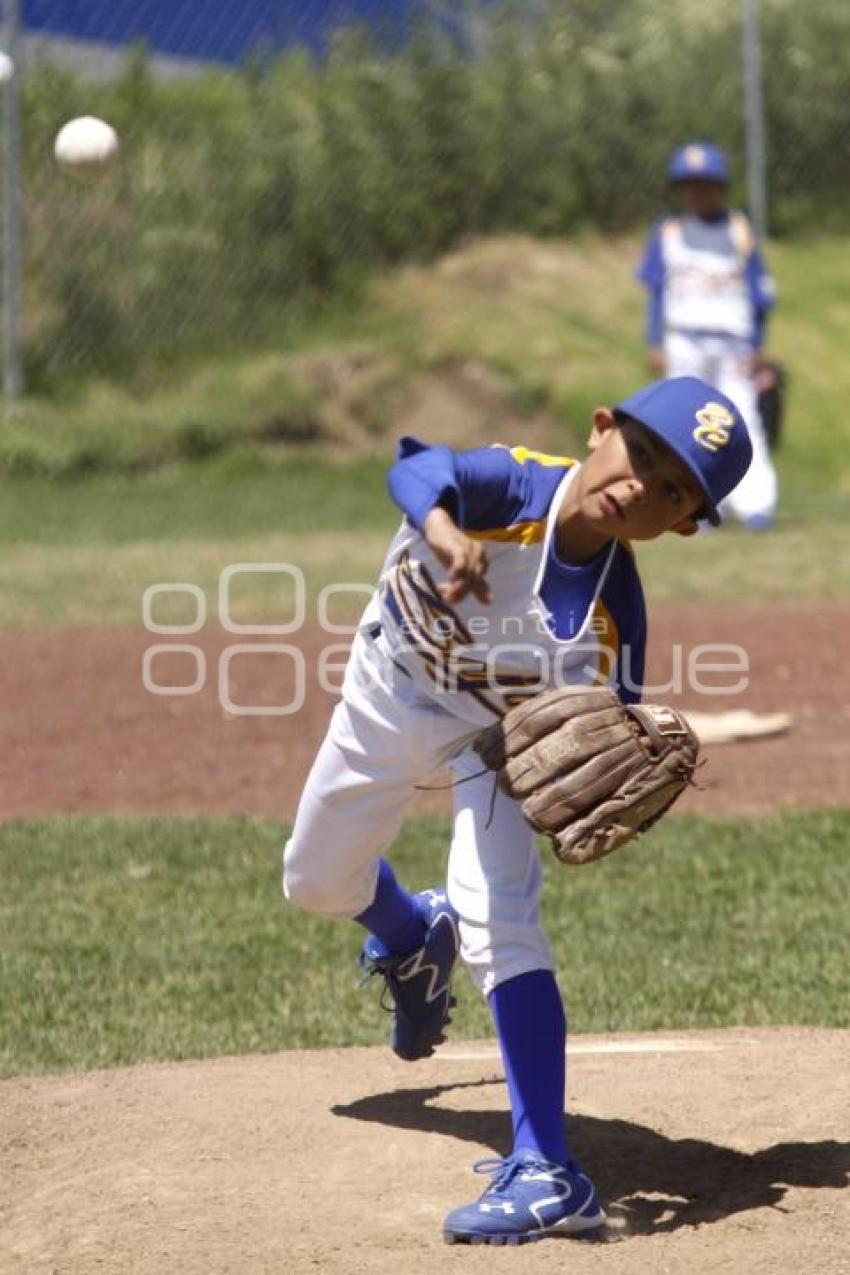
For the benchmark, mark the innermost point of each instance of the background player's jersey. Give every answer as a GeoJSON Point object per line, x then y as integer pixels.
{"type": "Point", "coordinates": [705, 275]}
{"type": "Point", "coordinates": [548, 622]}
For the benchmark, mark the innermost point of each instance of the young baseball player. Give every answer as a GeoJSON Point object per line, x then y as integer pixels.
{"type": "Point", "coordinates": [709, 295]}
{"type": "Point", "coordinates": [511, 572]}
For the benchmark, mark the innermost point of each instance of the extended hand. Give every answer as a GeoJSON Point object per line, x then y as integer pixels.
{"type": "Point", "coordinates": [464, 559]}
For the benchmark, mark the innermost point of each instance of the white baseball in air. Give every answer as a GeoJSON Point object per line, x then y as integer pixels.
{"type": "Point", "coordinates": [7, 67]}
{"type": "Point", "coordinates": [86, 145]}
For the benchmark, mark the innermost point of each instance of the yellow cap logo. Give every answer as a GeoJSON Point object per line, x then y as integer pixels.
{"type": "Point", "coordinates": [694, 157]}
{"type": "Point", "coordinates": [714, 423]}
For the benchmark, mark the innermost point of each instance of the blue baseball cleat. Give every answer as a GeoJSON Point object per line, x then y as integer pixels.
{"type": "Point", "coordinates": [529, 1199]}
{"type": "Point", "coordinates": [419, 982]}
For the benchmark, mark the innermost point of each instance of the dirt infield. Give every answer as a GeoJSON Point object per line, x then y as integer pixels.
{"type": "Point", "coordinates": [713, 1152]}
{"type": "Point", "coordinates": [80, 733]}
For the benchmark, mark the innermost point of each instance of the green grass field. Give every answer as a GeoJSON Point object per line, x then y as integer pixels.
{"type": "Point", "coordinates": [126, 940]}
{"type": "Point", "coordinates": [83, 552]}
{"type": "Point", "coordinates": [101, 585]}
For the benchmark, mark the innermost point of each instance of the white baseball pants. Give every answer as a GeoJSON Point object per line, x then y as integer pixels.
{"type": "Point", "coordinates": [724, 362]}
{"type": "Point", "coordinates": [384, 738]}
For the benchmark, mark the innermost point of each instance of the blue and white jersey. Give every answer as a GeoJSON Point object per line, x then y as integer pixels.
{"type": "Point", "coordinates": [705, 276]}
{"type": "Point", "coordinates": [548, 623]}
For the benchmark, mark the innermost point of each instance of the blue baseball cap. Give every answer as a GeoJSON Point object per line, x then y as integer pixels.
{"type": "Point", "coordinates": [702, 426]}
{"type": "Point", "coordinates": [698, 162]}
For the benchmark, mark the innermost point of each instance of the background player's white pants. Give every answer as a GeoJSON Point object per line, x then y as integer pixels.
{"type": "Point", "coordinates": [384, 739]}
{"type": "Point", "coordinates": [723, 361]}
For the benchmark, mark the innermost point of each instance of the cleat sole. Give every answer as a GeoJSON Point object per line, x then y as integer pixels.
{"type": "Point", "coordinates": [593, 1234]}
{"type": "Point", "coordinates": [495, 1241]}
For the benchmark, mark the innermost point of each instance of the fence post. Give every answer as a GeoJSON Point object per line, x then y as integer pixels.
{"type": "Point", "coordinates": [13, 378]}
{"type": "Point", "coordinates": [754, 117]}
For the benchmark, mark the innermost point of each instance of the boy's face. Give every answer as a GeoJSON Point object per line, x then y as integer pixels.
{"type": "Point", "coordinates": [632, 486]}
{"type": "Point", "coordinates": [703, 198]}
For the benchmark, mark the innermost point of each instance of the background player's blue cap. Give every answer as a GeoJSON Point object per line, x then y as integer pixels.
{"type": "Point", "coordinates": [698, 162]}
{"type": "Point", "coordinates": [702, 426]}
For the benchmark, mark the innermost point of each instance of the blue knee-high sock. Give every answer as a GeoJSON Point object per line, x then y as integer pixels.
{"type": "Point", "coordinates": [532, 1028]}
{"type": "Point", "coordinates": [394, 916]}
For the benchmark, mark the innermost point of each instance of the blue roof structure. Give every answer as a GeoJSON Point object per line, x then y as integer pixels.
{"type": "Point", "coordinates": [225, 31]}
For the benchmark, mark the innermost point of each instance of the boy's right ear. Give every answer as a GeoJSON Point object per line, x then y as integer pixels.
{"type": "Point", "coordinates": [604, 421]}
{"type": "Point", "coordinates": [687, 527]}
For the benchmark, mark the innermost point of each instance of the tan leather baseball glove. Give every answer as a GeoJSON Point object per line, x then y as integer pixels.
{"type": "Point", "coordinates": [588, 770]}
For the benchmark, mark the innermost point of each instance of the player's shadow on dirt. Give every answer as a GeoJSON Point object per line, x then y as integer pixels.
{"type": "Point", "coordinates": [691, 1181]}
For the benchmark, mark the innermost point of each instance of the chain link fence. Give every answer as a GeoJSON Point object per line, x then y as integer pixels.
{"type": "Point", "coordinates": [266, 166]}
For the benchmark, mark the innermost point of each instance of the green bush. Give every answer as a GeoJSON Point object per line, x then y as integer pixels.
{"type": "Point", "coordinates": [243, 198]}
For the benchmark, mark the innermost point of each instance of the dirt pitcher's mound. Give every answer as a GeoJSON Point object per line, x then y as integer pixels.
{"type": "Point", "coordinates": [714, 1152]}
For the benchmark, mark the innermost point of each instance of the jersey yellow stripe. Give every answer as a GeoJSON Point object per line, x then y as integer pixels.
{"type": "Point", "coordinates": [524, 533]}
{"type": "Point", "coordinates": [742, 234]}
{"type": "Point", "coordinates": [533, 530]}
{"type": "Point", "coordinates": [522, 454]}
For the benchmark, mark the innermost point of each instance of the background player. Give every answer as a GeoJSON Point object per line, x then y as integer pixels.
{"type": "Point", "coordinates": [510, 572]}
{"type": "Point", "coordinates": [708, 299]}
